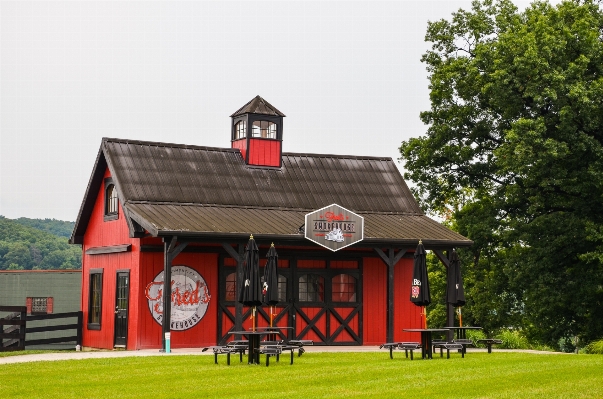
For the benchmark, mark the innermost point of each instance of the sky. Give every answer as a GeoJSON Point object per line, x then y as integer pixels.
{"type": "Point", "coordinates": [347, 75]}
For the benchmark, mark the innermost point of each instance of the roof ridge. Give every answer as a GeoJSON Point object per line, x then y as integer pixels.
{"type": "Point", "coordinates": [172, 145]}
{"type": "Point", "coordinates": [228, 149]}
{"type": "Point", "coordinates": [340, 156]}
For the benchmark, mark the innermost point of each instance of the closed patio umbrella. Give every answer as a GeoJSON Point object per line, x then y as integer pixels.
{"type": "Point", "coordinates": [250, 293]}
{"type": "Point", "coordinates": [270, 286]}
{"type": "Point", "coordinates": [455, 292]}
{"type": "Point", "coordinates": [419, 290]}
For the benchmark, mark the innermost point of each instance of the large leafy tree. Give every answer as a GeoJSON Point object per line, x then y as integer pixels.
{"type": "Point", "coordinates": [513, 156]}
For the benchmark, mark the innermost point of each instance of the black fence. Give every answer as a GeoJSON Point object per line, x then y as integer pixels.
{"type": "Point", "coordinates": [14, 330]}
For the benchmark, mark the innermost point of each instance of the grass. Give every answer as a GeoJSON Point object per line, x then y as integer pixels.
{"type": "Point", "coordinates": [323, 375]}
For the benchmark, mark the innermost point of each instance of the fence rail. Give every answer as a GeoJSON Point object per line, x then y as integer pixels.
{"type": "Point", "coordinates": [17, 331]}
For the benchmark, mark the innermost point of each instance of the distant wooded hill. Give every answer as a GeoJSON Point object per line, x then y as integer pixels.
{"type": "Point", "coordinates": [39, 244]}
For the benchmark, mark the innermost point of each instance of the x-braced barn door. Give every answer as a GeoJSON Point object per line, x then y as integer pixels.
{"type": "Point", "coordinates": [327, 297]}
{"type": "Point", "coordinates": [319, 300]}
{"type": "Point", "coordinates": [281, 313]}
{"type": "Point", "coordinates": [122, 293]}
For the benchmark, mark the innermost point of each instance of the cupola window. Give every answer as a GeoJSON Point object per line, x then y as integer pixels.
{"type": "Point", "coordinates": [264, 129]}
{"type": "Point", "coordinates": [240, 130]}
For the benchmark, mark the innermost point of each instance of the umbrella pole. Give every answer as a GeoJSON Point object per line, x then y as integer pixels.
{"type": "Point", "coordinates": [460, 317]}
{"type": "Point", "coordinates": [271, 316]}
{"type": "Point", "coordinates": [424, 313]}
{"type": "Point", "coordinates": [253, 319]}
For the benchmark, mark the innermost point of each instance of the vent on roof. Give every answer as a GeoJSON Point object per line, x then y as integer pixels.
{"type": "Point", "coordinates": [257, 131]}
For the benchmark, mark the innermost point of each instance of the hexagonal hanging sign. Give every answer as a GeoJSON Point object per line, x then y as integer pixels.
{"type": "Point", "coordinates": [334, 227]}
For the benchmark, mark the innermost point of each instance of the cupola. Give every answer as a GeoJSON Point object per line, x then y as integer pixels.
{"type": "Point", "coordinates": [257, 131]}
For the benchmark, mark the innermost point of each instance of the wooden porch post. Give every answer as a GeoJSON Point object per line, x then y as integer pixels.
{"type": "Point", "coordinates": [170, 251]}
{"type": "Point", "coordinates": [239, 257]}
{"type": "Point", "coordinates": [390, 260]}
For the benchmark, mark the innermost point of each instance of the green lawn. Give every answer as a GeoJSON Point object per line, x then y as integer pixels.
{"type": "Point", "coordinates": [322, 375]}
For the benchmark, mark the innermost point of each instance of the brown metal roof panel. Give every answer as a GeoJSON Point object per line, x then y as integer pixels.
{"type": "Point", "coordinates": [210, 219]}
{"type": "Point", "coordinates": [299, 186]}
{"type": "Point", "coordinates": [199, 219]}
{"type": "Point", "coordinates": [183, 174]}
{"type": "Point", "coordinates": [158, 172]}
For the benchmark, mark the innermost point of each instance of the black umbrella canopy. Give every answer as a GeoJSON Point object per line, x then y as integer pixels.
{"type": "Point", "coordinates": [270, 286]}
{"type": "Point", "coordinates": [455, 293]}
{"type": "Point", "coordinates": [251, 290]}
{"type": "Point", "coordinates": [419, 291]}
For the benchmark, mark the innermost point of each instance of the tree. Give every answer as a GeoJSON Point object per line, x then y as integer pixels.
{"type": "Point", "coordinates": [513, 156]}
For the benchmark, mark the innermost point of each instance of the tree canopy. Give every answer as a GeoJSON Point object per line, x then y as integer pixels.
{"type": "Point", "coordinates": [513, 158]}
{"type": "Point", "coordinates": [26, 248]}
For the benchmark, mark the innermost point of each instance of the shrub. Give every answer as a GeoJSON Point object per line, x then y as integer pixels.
{"type": "Point", "coordinates": [595, 347]}
{"type": "Point", "coordinates": [476, 335]}
{"type": "Point", "coordinates": [512, 340]}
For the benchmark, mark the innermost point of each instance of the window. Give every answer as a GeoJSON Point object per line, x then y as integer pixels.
{"type": "Point", "coordinates": [264, 129]}
{"type": "Point", "coordinates": [281, 287]}
{"type": "Point", "coordinates": [343, 288]}
{"type": "Point", "coordinates": [95, 299]}
{"type": "Point", "coordinates": [38, 305]}
{"type": "Point", "coordinates": [240, 130]}
{"type": "Point", "coordinates": [231, 287]}
{"type": "Point", "coordinates": [311, 288]}
{"type": "Point", "coordinates": [111, 201]}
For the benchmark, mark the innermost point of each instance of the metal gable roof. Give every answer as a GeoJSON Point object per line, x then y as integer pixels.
{"type": "Point", "coordinates": [211, 193]}
{"type": "Point", "coordinates": [168, 173]}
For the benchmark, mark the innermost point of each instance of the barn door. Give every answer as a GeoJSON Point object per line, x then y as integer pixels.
{"type": "Point", "coordinates": [328, 301]}
{"type": "Point", "coordinates": [122, 292]}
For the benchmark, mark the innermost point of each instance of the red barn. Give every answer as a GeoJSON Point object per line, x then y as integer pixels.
{"type": "Point", "coordinates": [186, 212]}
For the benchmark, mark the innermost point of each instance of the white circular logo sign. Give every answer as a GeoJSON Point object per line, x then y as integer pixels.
{"type": "Point", "coordinates": [190, 298]}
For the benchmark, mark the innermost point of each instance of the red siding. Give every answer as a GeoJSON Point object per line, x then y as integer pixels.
{"type": "Point", "coordinates": [311, 264]}
{"type": "Point", "coordinates": [374, 292]}
{"type": "Point", "coordinates": [406, 314]}
{"type": "Point", "coordinates": [343, 264]}
{"type": "Point", "coordinates": [241, 145]}
{"type": "Point", "coordinates": [264, 152]}
{"type": "Point", "coordinates": [203, 333]}
{"type": "Point", "coordinates": [99, 234]}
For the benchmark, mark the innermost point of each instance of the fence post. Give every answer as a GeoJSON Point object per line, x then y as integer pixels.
{"type": "Point", "coordinates": [22, 329]}
{"type": "Point", "coordinates": [80, 321]}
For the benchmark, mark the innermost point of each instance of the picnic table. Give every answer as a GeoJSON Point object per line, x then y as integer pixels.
{"type": "Point", "coordinates": [426, 339]}
{"type": "Point", "coordinates": [461, 336]}
{"type": "Point", "coordinates": [489, 342]}
{"type": "Point", "coordinates": [253, 337]}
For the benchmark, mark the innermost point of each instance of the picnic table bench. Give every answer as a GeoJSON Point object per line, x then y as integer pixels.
{"type": "Point", "coordinates": [275, 348]}
{"type": "Point", "coordinates": [489, 342]}
{"type": "Point", "coordinates": [406, 346]}
{"type": "Point", "coordinates": [448, 346]}
{"type": "Point", "coordinates": [227, 349]}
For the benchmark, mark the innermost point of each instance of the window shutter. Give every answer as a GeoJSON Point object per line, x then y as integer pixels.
{"type": "Point", "coordinates": [49, 303]}
{"type": "Point", "coordinates": [28, 304]}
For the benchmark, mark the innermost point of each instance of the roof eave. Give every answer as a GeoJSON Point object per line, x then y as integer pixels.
{"type": "Point", "coordinates": [87, 206]}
